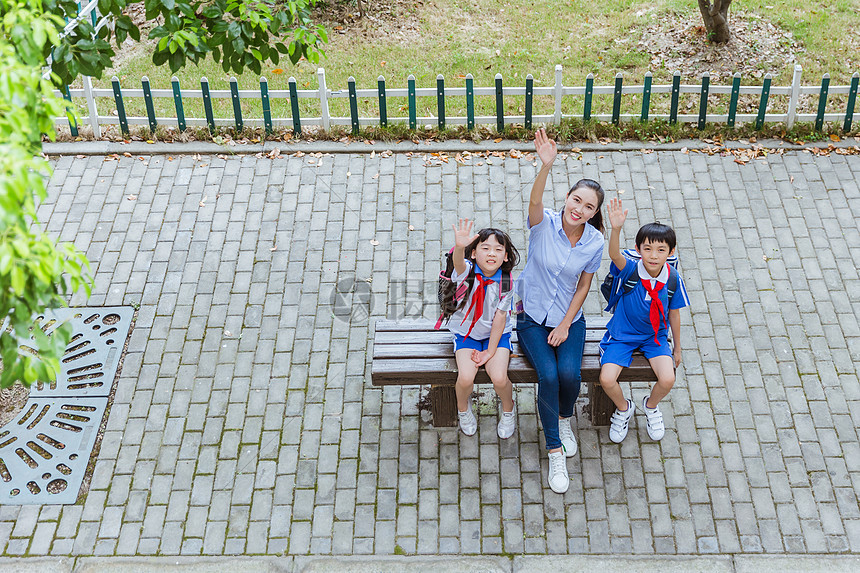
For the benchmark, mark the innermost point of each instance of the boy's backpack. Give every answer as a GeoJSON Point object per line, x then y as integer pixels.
{"type": "Point", "coordinates": [450, 296]}
{"type": "Point", "coordinates": [610, 290]}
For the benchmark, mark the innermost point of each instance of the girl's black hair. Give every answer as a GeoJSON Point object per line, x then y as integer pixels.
{"type": "Point", "coordinates": [503, 239]}
{"type": "Point", "coordinates": [508, 265]}
{"type": "Point", "coordinates": [656, 233]}
{"type": "Point", "coordinates": [597, 220]}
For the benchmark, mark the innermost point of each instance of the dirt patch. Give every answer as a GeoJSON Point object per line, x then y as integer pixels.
{"type": "Point", "coordinates": [12, 401]}
{"type": "Point", "coordinates": [679, 42]}
{"type": "Point", "coordinates": [395, 20]}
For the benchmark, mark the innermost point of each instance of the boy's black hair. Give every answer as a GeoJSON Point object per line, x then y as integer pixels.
{"type": "Point", "coordinates": [656, 233]}
{"type": "Point", "coordinates": [503, 239]}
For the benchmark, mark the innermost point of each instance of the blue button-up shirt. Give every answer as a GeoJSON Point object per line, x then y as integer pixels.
{"type": "Point", "coordinates": [547, 284]}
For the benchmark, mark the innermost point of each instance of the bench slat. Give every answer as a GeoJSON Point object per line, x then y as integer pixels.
{"type": "Point", "coordinates": [444, 336]}
{"type": "Point", "coordinates": [445, 350]}
{"type": "Point", "coordinates": [443, 371]}
{"type": "Point", "coordinates": [385, 325]}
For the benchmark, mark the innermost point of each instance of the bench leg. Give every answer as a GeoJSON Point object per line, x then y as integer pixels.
{"type": "Point", "coordinates": [600, 407]}
{"type": "Point", "coordinates": [443, 405]}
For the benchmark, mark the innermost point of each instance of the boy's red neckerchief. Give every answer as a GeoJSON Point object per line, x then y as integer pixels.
{"type": "Point", "coordinates": [657, 313]}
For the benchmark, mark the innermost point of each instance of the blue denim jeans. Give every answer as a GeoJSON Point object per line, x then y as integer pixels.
{"type": "Point", "coordinates": [558, 369]}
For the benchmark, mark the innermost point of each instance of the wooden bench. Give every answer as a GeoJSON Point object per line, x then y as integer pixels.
{"type": "Point", "coordinates": [411, 352]}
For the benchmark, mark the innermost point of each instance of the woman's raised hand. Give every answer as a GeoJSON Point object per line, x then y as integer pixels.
{"type": "Point", "coordinates": [462, 235]}
{"type": "Point", "coordinates": [545, 147]}
{"type": "Point", "coordinates": [617, 215]}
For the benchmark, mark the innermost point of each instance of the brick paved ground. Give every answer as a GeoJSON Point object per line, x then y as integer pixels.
{"type": "Point", "coordinates": [244, 420]}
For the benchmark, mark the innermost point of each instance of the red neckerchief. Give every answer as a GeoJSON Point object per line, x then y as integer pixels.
{"type": "Point", "coordinates": [656, 313]}
{"type": "Point", "coordinates": [477, 301]}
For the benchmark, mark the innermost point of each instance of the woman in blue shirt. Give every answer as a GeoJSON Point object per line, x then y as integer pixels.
{"type": "Point", "coordinates": [564, 252]}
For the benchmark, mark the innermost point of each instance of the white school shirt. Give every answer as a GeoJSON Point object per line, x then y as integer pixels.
{"type": "Point", "coordinates": [460, 323]}
{"type": "Point", "coordinates": [548, 282]}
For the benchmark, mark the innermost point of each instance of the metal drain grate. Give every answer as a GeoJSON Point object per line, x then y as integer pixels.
{"type": "Point", "coordinates": [45, 450]}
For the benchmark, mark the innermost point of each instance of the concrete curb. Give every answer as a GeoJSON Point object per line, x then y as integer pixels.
{"type": "Point", "coordinates": [451, 146]}
{"type": "Point", "coordinates": [730, 563]}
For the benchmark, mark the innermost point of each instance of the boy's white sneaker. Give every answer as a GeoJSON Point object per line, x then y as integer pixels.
{"type": "Point", "coordinates": [558, 478]}
{"type": "Point", "coordinates": [654, 416]}
{"type": "Point", "coordinates": [620, 423]}
{"type": "Point", "coordinates": [468, 423]}
{"type": "Point", "coordinates": [507, 423]}
{"type": "Point", "coordinates": [568, 440]}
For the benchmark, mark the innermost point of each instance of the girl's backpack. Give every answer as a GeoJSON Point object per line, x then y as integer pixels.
{"type": "Point", "coordinates": [612, 291]}
{"type": "Point", "coordinates": [450, 296]}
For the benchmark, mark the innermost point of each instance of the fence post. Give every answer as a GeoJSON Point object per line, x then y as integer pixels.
{"type": "Point", "coordinates": [413, 113]}
{"type": "Point", "coordinates": [353, 105]}
{"type": "Point", "coordinates": [383, 105]}
{"type": "Point", "coordinates": [616, 99]}
{"type": "Point", "coordinates": [852, 97]}
{"type": "Point", "coordinates": [294, 107]}
{"type": "Point", "coordinates": [207, 104]}
{"type": "Point", "coordinates": [440, 100]}
{"type": "Point", "coordinates": [120, 107]}
{"type": "Point", "coordinates": [558, 92]}
{"type": "Point", "coordinates": [676, 92]}
{"type": "Point", "coordinates": [70, 113]}
{"type": "Point", "coordinates": [589, 89]}
{"type": "Point", "coordinates": [147, 99]}
{"type": "Point", "coordinates": [91, 107]}
{"type": "Point", "coordinates": [733, 103]}
{"type": "Point", "coordinates": [177, 101]}
{"type": "Point", "coordinates": [237, 107]}
{"type": "Point", "coordinates": [500, 105]}
{"type": "Point", "coordinates": [470, 102]}
{"type": "Point", "coordinates": [646, 96]}
{"type": "Point", "coordinates": [530, 90]}
{"type": "Point", "coordinates": [822, 102]}
{"type": "Point", "coordinates": [795, 97]}
{"type": "Point", "coordinates": [267, 110]}
{"type": "Point", "coordinates": [762, 106]}
{"type": "Point", "coordinates": [326, 120]}
{"type": "Point", "coordinates": [703, 100]}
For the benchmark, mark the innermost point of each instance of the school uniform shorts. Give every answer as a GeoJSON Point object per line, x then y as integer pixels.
{"type": "Point", "coordinates": [614, 351]}
{"type": "Point", "coordinates": [461, 342]}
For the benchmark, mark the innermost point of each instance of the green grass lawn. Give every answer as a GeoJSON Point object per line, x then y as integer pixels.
{"type": "Point", "coordinates": [512, 38]}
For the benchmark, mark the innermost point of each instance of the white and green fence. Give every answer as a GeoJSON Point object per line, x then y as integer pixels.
{"type": "Point", "coordinates": [587, 110]}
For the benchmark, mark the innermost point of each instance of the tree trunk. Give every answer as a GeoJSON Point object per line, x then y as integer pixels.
{"type": "Point", "coordinates": [716, 17]}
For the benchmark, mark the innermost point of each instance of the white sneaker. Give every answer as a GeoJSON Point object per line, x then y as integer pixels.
{"type": "Point", "coordinates": [507, 423]}
{"type": "Point", "coordinates": [620, 422]}
{"type": "Point", "coordinates": [468, 423]}
{"type": "Point", "coordinates": [568, 440]}
{"type": "Point", "coordinates": [558, 478]}
{"type": "Point", "coordinates": [656, 429]}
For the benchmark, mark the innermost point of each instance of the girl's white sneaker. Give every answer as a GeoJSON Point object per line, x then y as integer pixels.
{"type": "Point", "coordinates": [468, 422]}
{"type": "Point", "coordinates": [507, 423]}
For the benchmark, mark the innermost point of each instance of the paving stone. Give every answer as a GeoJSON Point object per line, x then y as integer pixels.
{"type": "Point", "coordinates": [277, 432]}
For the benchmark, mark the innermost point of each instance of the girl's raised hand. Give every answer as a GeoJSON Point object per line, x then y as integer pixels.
{"type": "Point", "coordinates": [545, 147]}
{"type": "Point", "coordinates": [617, 215]}
{"type": "Point", "coordinates": [462, 235]}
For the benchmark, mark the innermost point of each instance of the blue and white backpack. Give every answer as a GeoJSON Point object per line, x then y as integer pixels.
{"type": "Point", "coordinates": [612, 291]}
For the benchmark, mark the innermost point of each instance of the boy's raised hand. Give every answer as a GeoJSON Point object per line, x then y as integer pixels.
{"type": "Point", "coordinates": [462, 235]}
{"type": "Point", "coordinates": [617, 215]}
{"type": "Point", "coordinates": [545, 147]}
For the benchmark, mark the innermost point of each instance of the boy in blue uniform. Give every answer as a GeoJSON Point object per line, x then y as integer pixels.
{"type": "Point", "coordinates": [641, 321]}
